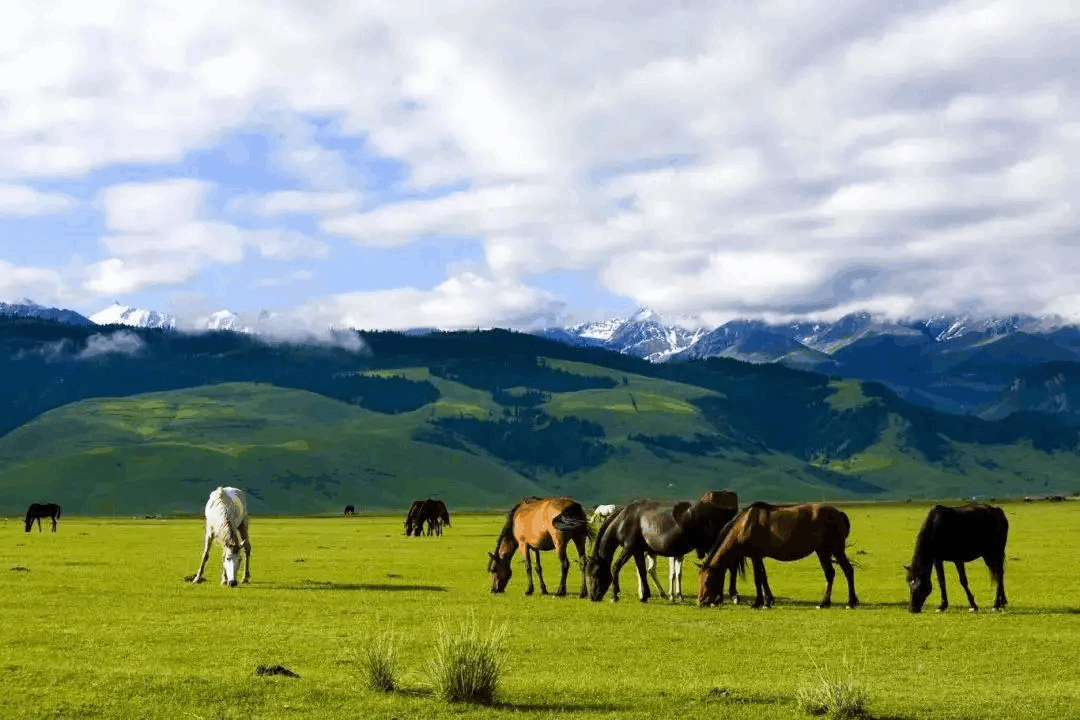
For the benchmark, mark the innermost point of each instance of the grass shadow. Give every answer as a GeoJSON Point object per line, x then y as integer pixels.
{"type": "Point", "coordinates": [378, 587]}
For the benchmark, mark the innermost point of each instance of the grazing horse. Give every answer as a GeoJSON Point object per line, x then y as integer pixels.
{"type": "Point", "coordinates": [42, 510]}
{"type": "Point", "coordinates": [958, 535]}
{"type": "Point", "coordinates": [435, 514]}
{"type": "Point", "coordinates": [540, 524]}
{"type": "Point", "coordinates": [227, 520]}
{"type": "Point", "coordinates": [350, 510]}
{"type": "Point", "coordinates": [785, 533]}
{"type": "Point", "coordinates": [602, 513]}
{"type": "Point", "coordinates": [655, 527]}
{"type": "Point", "coordinates": [413, 525]}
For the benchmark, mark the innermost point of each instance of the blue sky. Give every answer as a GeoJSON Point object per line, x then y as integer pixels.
{"type": "Point", "coordinates": [385, 167]}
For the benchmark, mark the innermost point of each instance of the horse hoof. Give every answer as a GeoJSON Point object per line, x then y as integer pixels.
{"type": "Point", "coordinates": [941, 609]}
{"type": "Point", "coordinates": [232, 583]}
{"type": "Point", "coordinates": [974, 609]}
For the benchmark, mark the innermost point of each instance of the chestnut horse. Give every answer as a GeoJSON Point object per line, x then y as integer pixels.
{"type": "Point", "coordinates": [785, 533]}
{"type": "Point", "coordinates": [538, 524]}
{"type": "Point", "coordinates": [958, 535]}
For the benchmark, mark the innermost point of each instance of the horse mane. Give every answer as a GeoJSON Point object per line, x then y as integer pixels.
{"type": "Point", "coordinates": [598, 534]}
{"type": "Point", "coordinates": [925, 538]}
{"type": "Point", "coordinates": [730, 525]}
{"type": "Point", "coordinates": [508, 528]}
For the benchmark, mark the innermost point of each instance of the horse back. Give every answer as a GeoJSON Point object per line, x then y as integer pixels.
{"type": "Point", "coordinates": [966, 533]}
{"type": "Point", "coordinates": [535, 518]}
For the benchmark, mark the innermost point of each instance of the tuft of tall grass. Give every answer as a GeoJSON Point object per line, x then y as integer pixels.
{"type": "Point", "coordinates": [379, 662]}
{"type": "Point", "coordinates": [466, 666]}
{"type": "Point", "coordinates": [835, 695]}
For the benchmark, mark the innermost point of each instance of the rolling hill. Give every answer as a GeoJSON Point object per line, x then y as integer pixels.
{"type": "Point", "coordinates": [478, 419]}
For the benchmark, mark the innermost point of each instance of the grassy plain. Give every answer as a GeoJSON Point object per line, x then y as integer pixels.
{"type": "Point", "coordinates": [99, 624]}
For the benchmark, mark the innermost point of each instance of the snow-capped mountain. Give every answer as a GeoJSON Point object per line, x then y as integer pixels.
{"type": "Point", "coordinates": [223, 319]}
{"type": "Point", "coordinates": [29, 309]}
{"type": "Point", "coordinates": [644, 334]}
{"type": "Point", "coordinates": [117, 314]}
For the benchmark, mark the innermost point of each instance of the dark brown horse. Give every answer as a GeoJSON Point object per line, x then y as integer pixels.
{"type": "Point", "coordinates": [958, 535]}
{"type": "Point", "coordinates": [435, 514]}
{"type": "Point", "coordinates": [42, 510]}
{"type": "Point", "coordinates": [350, 510]}
{"type": "Point", "coordinates": [538, 524]}
{"type": "Point", "coordinates": [413, 526]}
{"type": "Point", "coordinates": [782, 533]}
{"type": "Point", "coordinates": [654, 527]}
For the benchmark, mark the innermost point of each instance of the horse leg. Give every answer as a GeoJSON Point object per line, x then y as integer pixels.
{"type": "Point", "coordinates": [579, 542]}
{"type": "Point", "coordinates": [997, 573]}
{"type": "Point", "coordinates": [825, 558]}
{"type": "Point", "coordinates": [528, 569]}
{"type": "Point", "coordinates": [675, 578]}
{"type": "Point", "coordinates": [39, 524]}
{"type": "Point", "coordinates": [939, 567]}
{"type": "Point", "coordinates": [733, 593]}
{"type": "Point", "coordinates": [564, 566]}
{"type": "Point", "coordinates": [650, 569]}
{"type": "Point", "coordinates": [964, 584]}
{"type": "Point", "coordinates": [246, 545]}
{"type": "Point", "coordinates": [616, 568]}
{"type": "Point", "coordinates": [540, 572]}
{"type": "Point", "coordinates": [53, 523]}
{"type": "Point", "coordinates": [849, 575]}
{"type": "Point", "coordinates": [205, 556]}
{"type": "Point", "coordinates": [643, 580]}
{"type": "Point", "coordinates": [759, 582]}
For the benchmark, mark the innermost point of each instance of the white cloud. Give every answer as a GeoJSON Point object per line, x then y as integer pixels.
{"type": "Point", "coordinates": [20, 201]}
{"type": "Point", "coordinates": [162, 238]}
{"type": "Point", "coordinates": [297, 202]}
{"type": "Point", "coordinates": [462, 301]}
{"type": "Point", "coordinates": [935, 144]}
{"type": "Point", "coordinates": [45, 284]}
{"type": "Point", "coordinates": [122, 342]}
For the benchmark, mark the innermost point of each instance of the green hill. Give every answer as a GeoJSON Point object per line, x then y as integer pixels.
{"type": "Point", "coordinates": [479, 420]}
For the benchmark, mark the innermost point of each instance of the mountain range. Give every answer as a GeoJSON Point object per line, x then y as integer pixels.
{"type": "Point", "coordinates": [982, 366]}
{"type": "Point", "coordinates": [108, 420]}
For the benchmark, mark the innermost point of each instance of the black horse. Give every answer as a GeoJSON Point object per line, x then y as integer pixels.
{"type": "Point", "coordinates": [671, 529]}
{"type": "Point", "coordinates": [42, 510]}
{"type": "Point", "coordinates": [958, 535]}
{"type": "Point", "coordinates": [350, 510]}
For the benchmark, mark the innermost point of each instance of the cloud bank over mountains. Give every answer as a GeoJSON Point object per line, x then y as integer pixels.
{"type": "Point", "coordinates": [773, 159]}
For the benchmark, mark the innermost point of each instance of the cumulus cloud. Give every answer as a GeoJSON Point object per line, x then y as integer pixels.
{"type": "Point", "coordinates": [159, 236]}
{"type": "Point", "coordinates": [931, 147]}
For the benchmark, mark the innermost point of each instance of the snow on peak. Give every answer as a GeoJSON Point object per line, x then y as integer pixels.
{"type": "Point", "coordinates": [225, 319]}
{"type": "Point", "coordinates": [117, 314]}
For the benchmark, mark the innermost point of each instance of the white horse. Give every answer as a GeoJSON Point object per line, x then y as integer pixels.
{"type": "Point", "coordinates": [602, 513]}
{"type": "Point", "coordinates": [227, 520]}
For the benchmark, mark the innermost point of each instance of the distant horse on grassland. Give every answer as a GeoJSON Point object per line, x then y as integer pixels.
{"type": "Point", "coordinates": [958, 535]}
{"type": "Point", "coordinates": [42, 510]}
{"type": "Point", "coordinates": [350, 510]}
{"type": "Point", "coordinates": [435, 514]}
{"type": "Point", "coordinates": [784, 533]}
{"type": "Point", "coordinates": [655, 527]}
{"type": "Point", "coordinates": [536, 524]}
{"type": "Point", "coordinates": [227, 520]}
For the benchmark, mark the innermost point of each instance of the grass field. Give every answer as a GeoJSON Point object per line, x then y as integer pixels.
{"type": "Point", "coordinates": [97, 622]}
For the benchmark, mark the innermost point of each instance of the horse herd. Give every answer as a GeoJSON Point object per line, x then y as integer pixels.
{"type": "Point", "coordinates": [725, 537]}
{"type": "Point", "coordinates": [713, 527]}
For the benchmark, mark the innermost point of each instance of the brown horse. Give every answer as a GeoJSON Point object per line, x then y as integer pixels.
{"type": "Point", "coordinates": [540, 524]}
{"type": "Point", "coordinates": [782, 533]}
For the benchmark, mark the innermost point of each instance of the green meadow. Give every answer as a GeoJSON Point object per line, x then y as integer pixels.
{"type": "Point", "coordinates": [98, 623]}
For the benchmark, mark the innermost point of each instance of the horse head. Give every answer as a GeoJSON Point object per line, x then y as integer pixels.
{"type": "Point", "coordinates": [230, 560]}
{"type": "Point", "coordinates": [500, 570]}
{"type": "Point", "coordinates": [598, 574]}
{"type": "Point", "coordinates": [920, 585]}
{"type": "Point", "coordinates": [711, 582]}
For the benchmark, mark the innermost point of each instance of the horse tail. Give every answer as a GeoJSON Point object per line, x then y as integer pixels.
{"type": "Point", "coordinates": [741, 565]}
{"type": "Point", "coordinates": [574, 520]}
